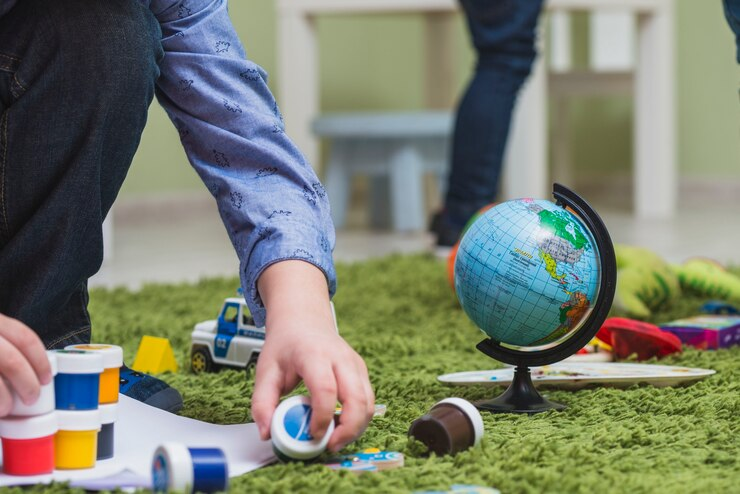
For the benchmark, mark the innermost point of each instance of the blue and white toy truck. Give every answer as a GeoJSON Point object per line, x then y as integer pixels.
{"type": "Point", "coordinates": [232, 340]}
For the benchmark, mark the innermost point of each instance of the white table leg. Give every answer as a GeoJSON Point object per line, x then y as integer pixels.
{"type": "Point", "coordinates": [525, 169]}
{"type": "Point", "coordinates": [407, 188]}
{"type": "Point", "coordinates": [655, 180]}
{"type": "Point", "coordinates": [108, 238]}
{"type": "Point", "coordinates": [298, 86]}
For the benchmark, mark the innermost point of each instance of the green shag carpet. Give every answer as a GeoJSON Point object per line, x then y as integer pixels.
{"type": "Point", "coordinates": [401, 316]}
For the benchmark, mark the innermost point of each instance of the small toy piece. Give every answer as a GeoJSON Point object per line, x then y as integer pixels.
{"type": "Point", "coordinates": [451, 426]}
{"type": "Point", "coordinates": [154, 356]}
{"type": "Point", "coordinates": [112, 362]}
{"type": "Point", "coordinates": [628, 336]}
{"type": "Point", "coordinates": [291, 438]}
{"type": "Point", "coordinates": [231, 340]}
{"type": "Point", "coordinates": [45, 402]}
{"type": "Point", "coordinates": [175, 467]}
{"type": "Point", "coordinates": [706, 332]}
{"type": "Point", "coordinates": [362, 461]}
{"type": "Point", "coordinates": [75, 444]}
{"type": "Point", "coordinates": [28, 444]}
{"type": "Point", "coordinates": [717, 307]}
{"type": "Point", "coordinates": [106, 436]}
{"type": "Point", "coordinates": [77, 383]}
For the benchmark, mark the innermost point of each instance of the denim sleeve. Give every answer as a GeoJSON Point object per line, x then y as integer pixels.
{"type": "Point", "coordinates": [269, 197]}
{"type": "Point", "coordinates": [5, 6]}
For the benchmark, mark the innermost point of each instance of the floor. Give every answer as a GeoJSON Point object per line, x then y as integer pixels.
{"type": "Point", "coordinates": [172, 247]}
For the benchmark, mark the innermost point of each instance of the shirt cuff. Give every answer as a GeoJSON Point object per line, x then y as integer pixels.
{"type": "Point", "coordinates": [288, 240]}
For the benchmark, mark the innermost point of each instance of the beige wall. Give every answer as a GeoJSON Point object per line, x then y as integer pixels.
{"type": "Point", "coordinates": [381, 68]}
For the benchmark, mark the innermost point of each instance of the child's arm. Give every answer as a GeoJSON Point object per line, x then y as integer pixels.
{"type": "Point", "coordinates": [23, 363]}
{"type": "Point", "coordinates": [302, 343]}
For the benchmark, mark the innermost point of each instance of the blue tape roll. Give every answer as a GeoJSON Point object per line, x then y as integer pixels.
{"type": "Point", "coordinates": [210, 473]}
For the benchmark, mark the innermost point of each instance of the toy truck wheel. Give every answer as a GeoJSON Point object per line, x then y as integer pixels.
{"type": "Point", "coordinates": [201, 361]}
{"type": "Point", "coordinates": [252, 364]}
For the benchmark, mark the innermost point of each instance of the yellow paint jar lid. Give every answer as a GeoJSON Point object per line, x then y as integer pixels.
{"type": "Point", "coordinates": [79, 420]}
{"type": "Point", "coordinates": [112, 354]}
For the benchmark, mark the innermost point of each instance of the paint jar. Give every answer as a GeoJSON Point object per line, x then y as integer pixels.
{"type": "Point", "coordinates": [175, 467]}
{"type": "Point", "coordinates": [451, 426]}
{"type": "Point", "coordinates": [45, 403]}
{"type": "Point", "coordinates": [291, 439]}
{"type": "Point", "coordinates": [111, 377]}
{"type": "Point", "coordinates": [28, 444]}
{"type": "Point", "coordinates": [77, 383]}
{"type": "Point", "coordinates": [76, 441]}
{"type": "Point", "coordinates": [106, 436]}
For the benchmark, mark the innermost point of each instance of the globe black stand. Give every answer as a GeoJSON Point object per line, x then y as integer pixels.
{"type": "Point", "coordinates": [521, 395]}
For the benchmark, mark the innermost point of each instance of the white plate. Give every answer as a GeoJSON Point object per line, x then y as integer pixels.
{"type": "Point", "coordinates": [568, 375]}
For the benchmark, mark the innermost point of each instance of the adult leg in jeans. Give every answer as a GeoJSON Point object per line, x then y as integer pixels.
{"type": "Point", "coordinates": [503, 34]}
{"type": "Point", "coordinates": [732, 13]}
{"type": "Point", "coordinates": [76, 80]}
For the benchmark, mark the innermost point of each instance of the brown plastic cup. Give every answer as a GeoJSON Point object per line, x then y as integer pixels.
{"type": "Point", "coordinates": [451, 426]}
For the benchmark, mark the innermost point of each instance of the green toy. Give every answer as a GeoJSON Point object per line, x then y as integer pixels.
{"type": "Point", "coordinates": [709, 278]}
{"type": "Point", "coordinates": [644, 281]}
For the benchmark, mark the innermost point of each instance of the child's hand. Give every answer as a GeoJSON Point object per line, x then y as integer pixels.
{"type": "Point", "coordinates": [302, 343]}
{"type": "Point", "coordinates": [24, 366]}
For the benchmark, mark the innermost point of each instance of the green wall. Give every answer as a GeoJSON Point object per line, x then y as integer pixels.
{"type": "Point", "coordinates": [381, 67]}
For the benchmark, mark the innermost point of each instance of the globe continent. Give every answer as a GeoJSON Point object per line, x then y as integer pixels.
{"type": "Point", "coordinates": [527, 272]}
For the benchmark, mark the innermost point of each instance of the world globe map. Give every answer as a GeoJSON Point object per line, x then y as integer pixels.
{"type": "Point", "coordinates": [527, 272]}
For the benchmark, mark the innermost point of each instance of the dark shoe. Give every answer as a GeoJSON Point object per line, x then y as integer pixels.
{"type": "Point", "coordinates": [150, 390]}
{"type": "Point", "coordinates": [446, 235]}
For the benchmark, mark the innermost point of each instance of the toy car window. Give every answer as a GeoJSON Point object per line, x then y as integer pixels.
{"type": "Point", "coordinates": [230, 313]}
{"type": "Point", "coordinates": [247, 320]}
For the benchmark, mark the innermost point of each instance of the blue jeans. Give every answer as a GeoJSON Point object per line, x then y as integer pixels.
{"type": "Point", "coordinates": [76, 80]}
{"type": "Point", "coordinates": [503, 34]}
{"type": "Point", "coordinates": [732, 12]}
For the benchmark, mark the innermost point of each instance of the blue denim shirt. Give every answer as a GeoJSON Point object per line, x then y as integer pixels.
{"type": "Point", "coordinates": [270, 200]}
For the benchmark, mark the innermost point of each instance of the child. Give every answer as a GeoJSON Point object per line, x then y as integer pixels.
{"type": "Point", "coordinates": [76, 80]}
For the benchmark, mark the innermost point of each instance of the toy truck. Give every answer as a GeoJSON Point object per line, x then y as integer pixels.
{"type": "Point", "coordinates": [232, 340]}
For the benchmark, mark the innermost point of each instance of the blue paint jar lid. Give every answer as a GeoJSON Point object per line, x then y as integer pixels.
{"type": "Point", "coordinates": [108, 413]}
{"type": "Point", "coordinates": [112, 354]}
{"type": "Point", "coordinates": [79, 362]}
{"type": "Point", "coordinates": [289, 430]}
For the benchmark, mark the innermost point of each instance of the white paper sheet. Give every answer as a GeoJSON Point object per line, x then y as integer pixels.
{"type": "Point", "coordinates": [140, 429]}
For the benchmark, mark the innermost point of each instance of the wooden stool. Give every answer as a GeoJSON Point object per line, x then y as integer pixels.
{"type": "Point", "coordinates": [393, 148]}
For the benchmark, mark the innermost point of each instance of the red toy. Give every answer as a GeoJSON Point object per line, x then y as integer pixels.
{"type": "Point", "coordinates": [628, 336]}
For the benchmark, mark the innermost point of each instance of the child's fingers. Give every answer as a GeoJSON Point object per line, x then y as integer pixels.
{"type": "Point", "coordinates": [354, 399]}
{"type": "Point", "coordinates": [29, 344]}
{"type": "Point", "coordinates": [267, 388]}
{"type": "Point", "coordinates": [18, 372]}
{"type": "Point", "coordinates": [369, 393]}
{"type": "Point", "coordinates": [6, 399]}
{"type": "Point", "coordinates": [322, 385]}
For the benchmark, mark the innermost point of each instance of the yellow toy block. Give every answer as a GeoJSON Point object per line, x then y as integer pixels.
{"type": "Point", "coordinates": [154, 355]}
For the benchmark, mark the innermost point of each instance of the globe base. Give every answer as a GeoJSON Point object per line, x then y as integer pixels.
{"type": "Point", "coordinates": [520, 397]}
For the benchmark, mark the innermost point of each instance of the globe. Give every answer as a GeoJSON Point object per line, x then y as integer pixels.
{"type": "Point", "coordinates": [538, 278]}
{"type": "Point", "coordinates": [527, 272]}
